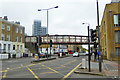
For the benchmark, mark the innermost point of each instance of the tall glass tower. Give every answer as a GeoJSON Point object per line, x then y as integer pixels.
{"type": "Point", "coordinates": [37, 29]}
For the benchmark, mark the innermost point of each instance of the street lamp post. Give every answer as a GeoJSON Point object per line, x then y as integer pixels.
{"type": "Point", "coordinates": [89, 56]}
{"type": "Point", "coordinates": [47, 24]}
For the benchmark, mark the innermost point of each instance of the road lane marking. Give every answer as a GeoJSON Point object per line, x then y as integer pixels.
{"type": "Point", "coordinates": [71, 72]}
{"type": "Point", "coordinates": [47, 72]}
{"type": "Point", "coordinates": [20, 67]}
{"type": "Point", "coordinates": [60, 66]}
{"type": "Point", "coordinates": [33, 73]}
{"type": "Point", "coordinates": [25, 66]}
{"type": "Point", "coordinates": [4, 76]}
{"type": "Point", "coordinates": [39, 68]}
{"type": "Point", "coordinates": [3, 71]}
{"type": "Point", "coordinates": [69, 62]}
{"type": "Point", "coordinates": [53, 70]}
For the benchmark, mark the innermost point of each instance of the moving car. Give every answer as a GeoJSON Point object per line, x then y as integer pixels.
{"type": "Point", "coordinates": [76, 54]}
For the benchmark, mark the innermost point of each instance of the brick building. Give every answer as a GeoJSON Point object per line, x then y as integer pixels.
{"type": "Point", "coordinates": [11, 36]}
{"type": "Point", "coordinates": [110, 31]}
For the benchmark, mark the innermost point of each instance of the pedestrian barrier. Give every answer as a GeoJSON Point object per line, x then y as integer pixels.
{"type": "Point", "coordinates": [60, 54]}
{"type": "Point", "coordinates": [3, 56]}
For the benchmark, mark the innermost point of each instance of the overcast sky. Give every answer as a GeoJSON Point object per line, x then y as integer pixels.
{"type": "Point", "coordinates": [67, 19]}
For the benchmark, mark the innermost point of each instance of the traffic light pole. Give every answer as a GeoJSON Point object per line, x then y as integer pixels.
{"type": "Point", "coordinates": [95, 53]}
{"type": "Point", "coordinates": [100, 63]}
{"type": "Point", "coordinates": [89, 50]}
{"type": "Point", "coordinates": [38, 44]}
{"type": "Point", "coordinates": [47, 34]}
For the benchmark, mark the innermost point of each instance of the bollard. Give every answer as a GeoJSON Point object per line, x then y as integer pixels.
{"type": "Point", "coordinates": [84, 64]}
{"type": "Point", "coordinates": [36, 56]}
{"type": "Point", "coordinates": [60, 54]}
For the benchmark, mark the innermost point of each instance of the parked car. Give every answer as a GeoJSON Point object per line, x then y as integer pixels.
{"type": "Point", "coordinates": [70, 52]}
{"type": "Point", "coordinates": [43, 55]}
{"type": "Point", "coordinates": [76, 54]}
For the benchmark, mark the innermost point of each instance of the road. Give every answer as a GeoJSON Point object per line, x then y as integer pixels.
{"type": "Point", "coordinates": [60, 68]}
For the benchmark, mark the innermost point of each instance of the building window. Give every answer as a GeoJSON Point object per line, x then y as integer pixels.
{"type": "Point", "coordinates": [118, 51]}
{"type": "Point", "coordinates": [17, 47]}
{"type": "Point", "coordinates": [8, 28]}
{"type": "Point", "coordinates": [20, 39]}
{"type": "Point", "coordinates": [2, 36]}
{"type": "Point", "coordinates": [16, 30]}
{"type": "Point", "coordinates": [21, 47]}
{"type": "Point", "coordinates": [117, 20]}
{"type": "Point", "coordinates": [13, 47]}
{"type": "Point", "coordinates": [3, 26]}
{"type": "Point", "coordinates": [4, 48]}
{"type": "Point", "coordinates": [117, 36]}
{"type": "Point", "coordinates": [8, 37]}
{"type": "Point", "coordinates": [8, 47]}
{"type": "Point", "coordinates": [16, 39]}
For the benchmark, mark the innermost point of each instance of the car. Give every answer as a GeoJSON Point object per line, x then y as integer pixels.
{"type": "Point", "coordinates": [70, 52]}
{"type": "Point", "coordinates": [43, 55]}
{"type": "Point", "coordinates": [76, 54]}
{"type": "Point", "coordinates": [82, 54]}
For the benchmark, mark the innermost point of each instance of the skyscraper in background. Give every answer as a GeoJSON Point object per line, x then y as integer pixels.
{"type": "Point", "coordinates": [38, 29]}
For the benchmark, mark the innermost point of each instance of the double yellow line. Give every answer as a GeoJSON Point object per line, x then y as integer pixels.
{"type": "Point", "coordinates": [4, 76]}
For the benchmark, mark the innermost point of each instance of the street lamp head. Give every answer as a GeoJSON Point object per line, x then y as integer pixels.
{"type": "Point", "coordinates": [56, 7]}
{"type": "Point", "coordinates": [86, 23]}
{"type": "Point", "coordinates": [39, 9]}
{"type": "Point", "coordinates": [83, 23]}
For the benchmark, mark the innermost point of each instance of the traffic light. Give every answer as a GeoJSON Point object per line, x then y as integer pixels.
{"type": "Point", "coordinates": [50, 43]}
{"type": "Point", "coordinates": [93, 35]}
{"type": "Point", "coordinates": [40, 40]}
{"type": "Point", "coordinates": [95, 45]}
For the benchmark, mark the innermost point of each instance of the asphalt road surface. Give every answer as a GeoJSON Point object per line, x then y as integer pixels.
{"type": "Point", "coordinates": [60, 68]}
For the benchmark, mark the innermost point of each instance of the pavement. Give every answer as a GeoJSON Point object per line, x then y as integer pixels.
{"type": "Point", "coordinates": [110, 69]}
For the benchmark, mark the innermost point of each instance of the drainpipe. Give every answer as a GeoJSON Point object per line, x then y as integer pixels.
{"type": "Point", "coordinates": [111, 34]}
